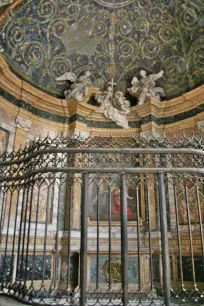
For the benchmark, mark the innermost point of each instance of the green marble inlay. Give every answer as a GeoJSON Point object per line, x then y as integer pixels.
{"type": "Point", "coordinates": [9, 97]}
{"type": "Point", "coordinates": [99, 124]}
{"type": "Point", "coordinates": [36, 111]}
{"type": "Point", "coordinates": [132, 269]}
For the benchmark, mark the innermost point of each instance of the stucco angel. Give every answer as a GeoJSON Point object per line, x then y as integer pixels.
{"type": "Point", "coordinates": [79, 88]}
{"type": "Point", "coordinates": [114, 106]}
{"type": "Point", "coordinates": [146, 87]}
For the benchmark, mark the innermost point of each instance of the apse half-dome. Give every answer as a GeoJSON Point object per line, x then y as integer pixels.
{"type": "Point", "coordinates": [112, 39]}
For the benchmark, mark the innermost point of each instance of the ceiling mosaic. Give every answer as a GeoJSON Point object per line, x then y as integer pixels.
{"type": "Point", "coordinates": [111, 38]}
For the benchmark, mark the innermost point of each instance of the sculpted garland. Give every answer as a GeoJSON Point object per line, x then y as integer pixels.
{"type": "Point", "coordinates": [114, 105]}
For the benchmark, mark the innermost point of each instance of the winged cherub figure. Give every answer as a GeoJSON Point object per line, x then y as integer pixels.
{"type": "Point", "coordinates": [146, 87]}
{"type": "Point", "coordinates": [79, 88]}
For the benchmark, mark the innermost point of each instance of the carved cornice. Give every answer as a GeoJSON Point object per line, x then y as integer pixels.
{"type": "Point", "coordinates": [187, 109]}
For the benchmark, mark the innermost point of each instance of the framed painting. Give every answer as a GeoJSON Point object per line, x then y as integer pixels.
{"type": "Point", "coordinates": [108, 199]}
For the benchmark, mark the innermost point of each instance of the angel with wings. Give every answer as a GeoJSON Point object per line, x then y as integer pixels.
{"type": "Point", "coordinates": [79, 88]}
{"type": "Point", "coordinates": [146, 87]}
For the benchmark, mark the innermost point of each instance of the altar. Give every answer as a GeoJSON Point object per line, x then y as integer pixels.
{"type": "Point", "coordinates": [113, 283]}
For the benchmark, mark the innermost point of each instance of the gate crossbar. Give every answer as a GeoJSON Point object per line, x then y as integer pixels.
{"type": "Point", "coordinates": [105, 170]}
{"type": "Point", "coordinates": [105, 150]}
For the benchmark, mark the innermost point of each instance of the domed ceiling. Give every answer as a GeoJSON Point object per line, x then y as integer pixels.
{"type": "Point", "coordinates": [111, 38]}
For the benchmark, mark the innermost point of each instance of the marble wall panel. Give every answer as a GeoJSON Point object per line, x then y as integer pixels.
{"type": "Point", "coordinates": [5, 267]}
{"type": "Point", "coordinates": [74, 265]}
{"type": "Point", "coordinates": [116, 262]}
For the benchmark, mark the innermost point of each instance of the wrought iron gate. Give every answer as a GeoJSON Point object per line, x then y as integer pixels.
{"type": "Point", "coordinates": [92, 220]}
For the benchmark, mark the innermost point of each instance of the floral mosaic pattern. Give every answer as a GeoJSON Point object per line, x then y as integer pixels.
{"type": "Point", "coordinates": [116, 39]}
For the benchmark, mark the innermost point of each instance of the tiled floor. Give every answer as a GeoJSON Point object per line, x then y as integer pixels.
{"type": "Point", "coordinates": [5, 301]}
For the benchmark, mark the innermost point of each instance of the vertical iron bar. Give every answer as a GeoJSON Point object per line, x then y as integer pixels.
{"type": "Point", "coordinates": [124, 241]}
{"type": "Point", "coordinates": [1, 192]}
{"type": "Point", "coordinates": [178, 234]}
{"type": "Point", "coordinates": [14, 233]}
{"type": "Point", "coordinates": [150, 238]}
{"type": "Point", "coordinates": [191, 238]}
{"type": "Point", "coordinates": [57, 240]}
{"type": "Point", "coordinates": [35, 237]}
{"type": "Point", "coordinates": [7, 234]}
{"type": "Point", "coordinates": [109, 240]}
{"type": "Point", "coordinates": [98, 221]}
{"type": "Point", "coordinates": [45, 236]}
{"type": "Point", "coordinates": [201, 224]}
{"type": "Point", "coordinates": [84, 232]}
{"type": "Point", "coordinates": [2, 210]}
{"type": "Point", "coordinates": [29, 226]}
{"type": "Point", "coordinates": [69, 235]}
{"type": "Point", "coordinates": [138, 236]}
{"type": "Point", "coordinates": [24, 234]}
{"type": "Point", "coordinates": [164, 241]}
{"type": "Point", "coordinates": [19, 233]}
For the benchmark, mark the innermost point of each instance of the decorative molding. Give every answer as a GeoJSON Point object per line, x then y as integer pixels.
{"type": "Point", "coordinates": [148, 135]}
{"type": "Point", "coordinates": [60, 114]}
{"type": "Point", "coordinates": [23, 123]}
{"type": "Point", "coordinates": [140, 115]}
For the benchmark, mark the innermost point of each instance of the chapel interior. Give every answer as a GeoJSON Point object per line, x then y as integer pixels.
{"type": "Point", "coordinates": [105, 75]}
